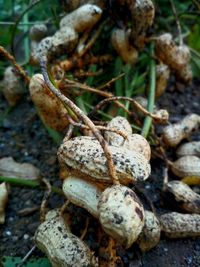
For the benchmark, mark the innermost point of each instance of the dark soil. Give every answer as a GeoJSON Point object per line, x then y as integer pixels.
{"type": "Point", "coordinates": [25, 139]}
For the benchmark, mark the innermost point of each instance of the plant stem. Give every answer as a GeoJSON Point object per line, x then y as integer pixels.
{"type": "Point", "coordinates": [151, 96]}
{"type": "Point", "coordinates": [28, 183]}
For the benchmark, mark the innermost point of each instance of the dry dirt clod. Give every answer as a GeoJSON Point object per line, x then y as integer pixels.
{"type": "Point", "coordinates": [186, 166]}
{"type": "Point", "coordinates": [82, 193]}
{"type": "Point", "coordinates": [121, 214]}
{"type": "Point", "coordinates": [120, 42]}
{"type": "Point", "coordinates": [173, 134]}
{"type": "Point", "coordinates": [177, 225]}
{"type": "Point", "coordinates": [185, 197]}
{"type": "Point", "coordinates": [85, 157]}
{"type": "Point", "coordinates": [121, 124]}
{"type": "Point", "coordinates": [10, 168]}
{"type": "Point", "coordinates": [3, 201]}
{"type": "Point", "coordinates": [11, 87]}
{"type": "Point", "coordinates": [82, 19]}
{"type": "Point", "coordinates": [150, 235]}
{"type": "Point", "coordinates": [190, 148]}
{"type": "Point", "coordinates": [62, 248]}
{"type": "Point", "coordinates": [50, 109]}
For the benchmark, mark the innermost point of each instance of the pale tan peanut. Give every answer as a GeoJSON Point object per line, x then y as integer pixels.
{"type": "Point", "coordinates": [121, 124]}
{"type": "Point", "coordinates": [49, 108]}
{"type": "Point", "coordinates": [138, 143]}
{"type": "Point", "coordinates": [83, 18]}
{"type": "Point", "coordinates": [38, 32]}
{"type": "Point", "coordinates": [84, 156]}
{"type": "Point", "coordinates": [150, 235]}
{"type": "Point", "coordinates": [62, 248]}
{"type": "Point", "coordinates": [11, 86]}
{"type": "Point", "coordinates": [185, 197]}
{"type": "Point", "coordinates": [162, 77]}
{"type": "Point", "coordinates": [186, 166]}
{"type": "Point", "coordinates": [190, 148]}
{"type": "Point", "coordinates": [173, 134]}
{"type": "Point", "coordinates": [177, 225]}
{"type": "Point", "coordinates": [121, 214]}
{"type": "Point", "coordinates": [120, 42]}
{"type": "Point", "coordinates": [40, 49]}
{"type": "Point", "coordinates": [82, 193]}
{"type": "Point", "coordinates": [3, 201]}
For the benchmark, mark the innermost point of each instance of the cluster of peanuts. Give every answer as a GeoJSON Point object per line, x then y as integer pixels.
{"type": "Point", "coordinates": [87, 184]}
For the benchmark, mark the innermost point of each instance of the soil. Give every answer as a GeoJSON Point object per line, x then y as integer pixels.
{"type": "Point", "coordinates": [24, 137]}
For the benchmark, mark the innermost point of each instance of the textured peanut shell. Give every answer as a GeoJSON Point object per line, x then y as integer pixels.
{"type": "Point", "coordinates": [150, 235]}
{"type": "Point", "coordinates": [121, 44]}
{"type": "Point", "coordinates": [84, 155]}
{"type": "Point", "coordinates": [190, 148]}
{"type": "Point", "coordinates": [138, 143]}
{"type": "Point", "coordinates": [175, 133]}
{"type": "Point", "coordinates": [49, 108]}
{"type": "Point", "coordinates": [162, 77]}
{"type": "Point", "coordinates": [121, 214]}
{"type": "Point", "coordinates": [185, 197]}
{"type": "Point", "coordinates": [83, 18]}
{"type": "Point", "coordinates": [62, 248]}
{"type": "Point", "coordinates": [177, 225]}
{"type": "Point", "coordinates": [186, 166]}
{"type": "Point", "coordinates": [121, 124]}
{"type": "Point", "coordinates": [37, 32]}
{"type": "Point", "coordinates": [82, 193]}
{"type": "Point", "coordinates": [11, 87]}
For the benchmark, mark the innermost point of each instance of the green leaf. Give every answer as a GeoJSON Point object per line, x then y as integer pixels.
{"type": "Point", "coordinates": [7, 261]}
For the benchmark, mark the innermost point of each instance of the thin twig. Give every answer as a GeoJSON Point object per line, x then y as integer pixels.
{"type": "Point", "coordinates": [177, 22]}
{"type": "Point", "coordinates": [151, 94]}
{"type": "Point", "coordinates": [67, 102]}
{"type": "Point", "coordinates": [26, 256]}
{"type": "Point", "coordinates": [43, 206]}
{"type": "Point", "coordinates": [85, 229]}
{"type": "Point", "coordinates": [15, 64]}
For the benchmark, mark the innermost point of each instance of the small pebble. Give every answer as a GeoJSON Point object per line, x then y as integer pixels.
{"type": "Point", "coordinates": [26, 237]}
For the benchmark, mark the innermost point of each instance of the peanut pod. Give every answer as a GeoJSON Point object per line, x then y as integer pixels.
{"type": "Point", "coordinates": [62, 248]}
{"type": "Point", "coordinates": [175, 133]}
{"type": "Point", "coordinates": [84, 156]}
{"type": "Point", "coordinates": [191, 148]}
{"type": "Point", "coordinates": [82, 193]}
{"type": "Point", "coordinates": [186, 166]}
{"type": "Point", "coordinates": [162, 77]}
{"type": "Point", "coordinates": [121, 214]}
{"type": "Point", "coordinates": [150, 235]}
{"type": "Point", "coordinates": [177, 225]}
{"type": "Point", "coordinates": [185, 197]}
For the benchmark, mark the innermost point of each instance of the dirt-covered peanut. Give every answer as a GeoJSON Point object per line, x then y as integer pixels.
{"type": "Point", "coordinates": [49, 108]}
{"type": "Point", "coordinates": [186, 166]}
{"type": "Point", "coordinates": [183, 195]}
{"type": "Point", "coordinates": [178, 225]}
{"type": "Point", "coordinates": [143, 13]}
{"type": "Point", "coordinates": [3, 201]}
{"type": "Point", "coordinates": [190, 148]}
{"type": "Point", "coordinates": [121, 214]}
{"type": "Point", "coordinates": [82, 193]}
{"type": "Point", "coordinates": [84, 156]}
{"type": "Point", "coordinates": [162, 77]}
{"type": "Point", "coordinates": [11, 86]}
{"type": "Point", "coordinates": [173, 134]}
{"type": "Point", "coordinates": [121, 124]}
{"type": "Point", "coordinates": [62, 248]}
{"type": "Point", "coordinates": [150, 235]}
{"type": "Point", "coordinates": [39, 49]}
{"type": "Point", "coordinates": [120, 42]}
{"type": "Point", "coordinates": [138, 143]}
{"type": "Point", "coordinates": [38, 32]}
{"type": "Point", "coordinates": [83, 18]}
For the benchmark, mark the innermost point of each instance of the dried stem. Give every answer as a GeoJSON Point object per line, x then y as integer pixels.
{"type": "Point", "coordinates": [67, 102]}
{"type": "Point", "coordinates": [100, 127]}
{"type": "Point", "coordinates": [43, 206]}
{"type": "Point", "coordinates": [15, 64]}
{"type": "Point", "coordinates": [177, 22]}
